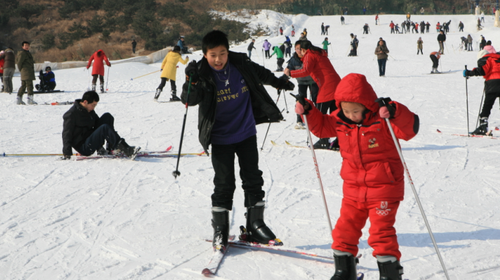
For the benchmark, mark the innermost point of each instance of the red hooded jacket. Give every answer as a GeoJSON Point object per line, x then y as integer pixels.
{"type": "Point", "coordinates": [318, 66]}
{"type": "Point", "coordinates": [371, 169]}
{"type": "Point", "coordinates": [98, 57]}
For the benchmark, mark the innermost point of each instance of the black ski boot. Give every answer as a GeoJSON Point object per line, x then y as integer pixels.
{"type": "Point", "coordinates": [220, 223]}
{"type": "Point", "coordinates": [102, 88]}
{"type": "Point", "coordinates": [482, 129]}
{"type": "Point", "coordinates": [93, 87]}
{"type": "Point", "coordinates": [322, 144]}
{"type": "Point", "coordinates": [174, 96]}
{"type": "Point", "coordinates": [345, 267]}
{"type": "Point", "coordinates": [390, 270]}
{"type": "Point", "coordinates": [257, 230]}
{"type": "Point", "coordinates": [157, 94]}
{"type": "Point", "coordinates": [123, 147]}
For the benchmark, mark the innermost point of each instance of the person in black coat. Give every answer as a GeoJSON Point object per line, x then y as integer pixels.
{"type": "Point", "coordinates": [229, 91]}
{"type": "Point", "coordinates": [250, 48]}
{"type": "Point", "coordinates": [86, 132]}
{"type": "Point", "coordinates": [441, 38]}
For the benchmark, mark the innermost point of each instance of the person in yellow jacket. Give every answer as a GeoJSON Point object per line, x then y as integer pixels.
{"type": "Point", "coordinates": [169, 71]}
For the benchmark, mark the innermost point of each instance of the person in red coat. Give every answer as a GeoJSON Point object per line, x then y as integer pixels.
{"type": "Point", "coordinates": [488, 66]}
{"type": "Point", "coordinates": [315, 63]}
{"type": "Point", "coordinates": [98, 68]}
{"type": "Point", "coordinates": [372, 171]}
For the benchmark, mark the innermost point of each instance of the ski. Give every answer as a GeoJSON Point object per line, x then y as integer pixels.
{"type": "Point", "coordinates": [50, 91]}
{"type": "Point", "coordinates": [214, 263]}
{"type": "Point", "coordinates": [445, 72]}
{"type": "Point", "coordinates": [59, 103]}
{"type": "Point", "coordinates": [290, 145]}
{"type": "Point", "coordinates": [488, 134]}
{"type": "Point", "coordinates": [280, 248]}
{"type": "Point", "coordinates": [141, 155]}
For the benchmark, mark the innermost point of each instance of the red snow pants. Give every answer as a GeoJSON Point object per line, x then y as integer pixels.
{"type": "Point", "coordinates": [353, 216]}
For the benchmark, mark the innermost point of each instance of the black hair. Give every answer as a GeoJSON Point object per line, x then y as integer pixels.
{"type": "Point", "coordinates": [177, 49]}
{"type": "Point", "coordinates": [90, 96]}
{"type": "Point", "coordinates": [48, 68]}
{"type": "Point", "coordinates": [214, 39]}
{"type": "Point", "coordinates": [297, 42]}
{"type": "Point", "coordinates": [307, 45]}
{"type": "Point", "coordinates": [25, 42]}
{"type": "Point", "coordinates": [488, 43]}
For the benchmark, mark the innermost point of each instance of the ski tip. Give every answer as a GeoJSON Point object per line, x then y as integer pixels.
{"type": "Point", "coordinates": [438, 130]}
{"type": "Point", "coordinates": [207, 273]}
{"type": "Point", "coordinates": [169, 148]}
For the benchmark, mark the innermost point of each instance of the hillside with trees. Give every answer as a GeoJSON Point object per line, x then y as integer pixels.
{"type": "Point", "coordinates": [66, 30]}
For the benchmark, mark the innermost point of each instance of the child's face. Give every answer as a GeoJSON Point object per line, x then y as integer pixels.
{"type": "Point", "coordinates": [217, 57]}
{"type": "Point", "coordinates": [353, 111]}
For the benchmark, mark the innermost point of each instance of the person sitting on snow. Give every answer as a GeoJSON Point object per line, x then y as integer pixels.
{"type": "Point", "coordinates": [47, 80]}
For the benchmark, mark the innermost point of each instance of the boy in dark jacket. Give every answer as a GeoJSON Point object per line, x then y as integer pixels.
{"type": "Point", "coordinates": [84, 131]}
{"type": "Point", "coordinates": [229, 89]}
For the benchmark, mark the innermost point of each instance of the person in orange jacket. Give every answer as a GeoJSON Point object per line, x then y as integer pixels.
{"type": "Point", "coordinates": [99, 57]}
{"type": "Point", "coordinates": [372, 171]}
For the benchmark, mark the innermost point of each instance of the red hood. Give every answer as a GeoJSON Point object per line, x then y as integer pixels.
{"type": "Point", "coordinates": [355, 88]}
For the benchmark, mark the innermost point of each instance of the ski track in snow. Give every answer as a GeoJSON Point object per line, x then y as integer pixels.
{"type": "Point", "coordinates": [122, 219]}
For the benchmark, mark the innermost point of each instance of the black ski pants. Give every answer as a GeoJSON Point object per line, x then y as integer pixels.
{"type": "Point", "coordinates": [224, 179]}
{"type": "Point", "coordinates": [491, 92]}
{"type": "Point", "coordinates": [164, 81]}
{"type": "Point", "coordinates": [94, 79]}
{"type": "Point", "coordinates": [105, 131]}
{"type": "Point", "coordinates": [435, 61]}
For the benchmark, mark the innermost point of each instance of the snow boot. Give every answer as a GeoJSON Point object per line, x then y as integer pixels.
{"type": "Point", "coordinates": [220, 223]}
{"type": "Point", "coordinates": [157, 94]}
{"type": "Point", "coordinates": [93, 87]}
{"type": "Point", "coordinates": [322, 144]}
{"type": "Point", "coordinates": [300, 125]}
{"type": "Point", "coordinates": [20, 101]}
{"type": "Point", "coordinates": [31, 101]}
{"type": "Point", "coordinates": [174, 96]}
{"type": "Point", "coordinates": [257, 230]}
{"type": "Point", "coordinates": [345, 267]}
{"type": "Point", "coordinates": [123, 147]}
{"type": "Point", "coordinates": [102, 88]}
{"type": "Point", "coordinates": [482, 129]}
{"type": "Point", "coordinates": [390, 270]}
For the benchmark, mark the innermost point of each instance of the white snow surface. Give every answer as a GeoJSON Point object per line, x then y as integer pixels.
{"type": "Point", "coordinates": [122, 219]}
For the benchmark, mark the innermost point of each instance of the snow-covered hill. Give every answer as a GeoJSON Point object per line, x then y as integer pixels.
{"type": "Point", "coordinates": [120, 219]}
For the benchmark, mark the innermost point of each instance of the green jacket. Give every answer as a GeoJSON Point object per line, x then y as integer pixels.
{"type": "Point", "coordinates": [325, 44]}
{"type": "Point", "coordinates": [26, 65]}
{"type": "Point", "coordinates": [278, 52]}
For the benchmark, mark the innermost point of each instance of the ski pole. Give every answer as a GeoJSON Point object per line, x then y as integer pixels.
{"type": "Point", "coordinates": [318, 174]}
{"type": "Point", "coordinates": [146, 74]}
{"type": "Point", "coordinates": [177, 172]}
{"type": "Point", "coordinates": [269, 126]}
{"type": "Point", "coordinates": [107, 78]}
{"type": "Point", "coordinates": [480, 106]}
{"type": "Point", "coordinates": [383, 102]}
{"type": "Point", "coordinates": [467, 101]}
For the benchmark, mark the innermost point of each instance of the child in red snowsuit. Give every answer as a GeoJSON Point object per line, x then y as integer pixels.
{"type": "Point", "coordinates": [372, 171]}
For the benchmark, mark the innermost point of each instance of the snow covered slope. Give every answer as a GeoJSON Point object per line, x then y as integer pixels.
{"type": "Point", "coordinates": [120, 219]}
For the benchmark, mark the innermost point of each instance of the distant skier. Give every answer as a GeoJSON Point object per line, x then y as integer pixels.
{"type": "Point", "coordinates": [250, 48]}
{"type": "Point", "coordinates": [461, 27]}
{"type": "Point", "coordinates": [420, 45]}
{"type": "Point", "coordinates": [435, 56]}
{"type": "Point", "coordinates": [279, 58]}
{"type": "Point", "coordinates": [441, 38]}
{"type": "Point", "coordinates": [99, 57]}
{"type": "Point", "coordinates": [354, 45]}
{"type": "Point", "coordinates": [366, 29]}
{"type": "Point", "coordinates": [267, 47]}
{"type": "Point", "coordinates": [326, 44]}
{"type": "Point", "coordinates": [381, 52]}
{"type": "Point", "coordinates": [322, 28]}
{"type": "Point", "coordinates": [342, 20]}
{"type": "Point", "coordinates": [169, 72]}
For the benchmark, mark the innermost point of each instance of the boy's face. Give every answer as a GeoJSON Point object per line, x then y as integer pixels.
{"type": "Point", "coordinates": [217, 57]}
{"type": "Point", "coordinates": [89, 106]}
{"type": "Point", "coordinates": [353, 111]}
{"type": "Point", "coordinates": [26, 47]}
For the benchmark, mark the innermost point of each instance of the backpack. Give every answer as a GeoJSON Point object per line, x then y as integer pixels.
{"type": "Point", "coordinates": [282, 48]}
